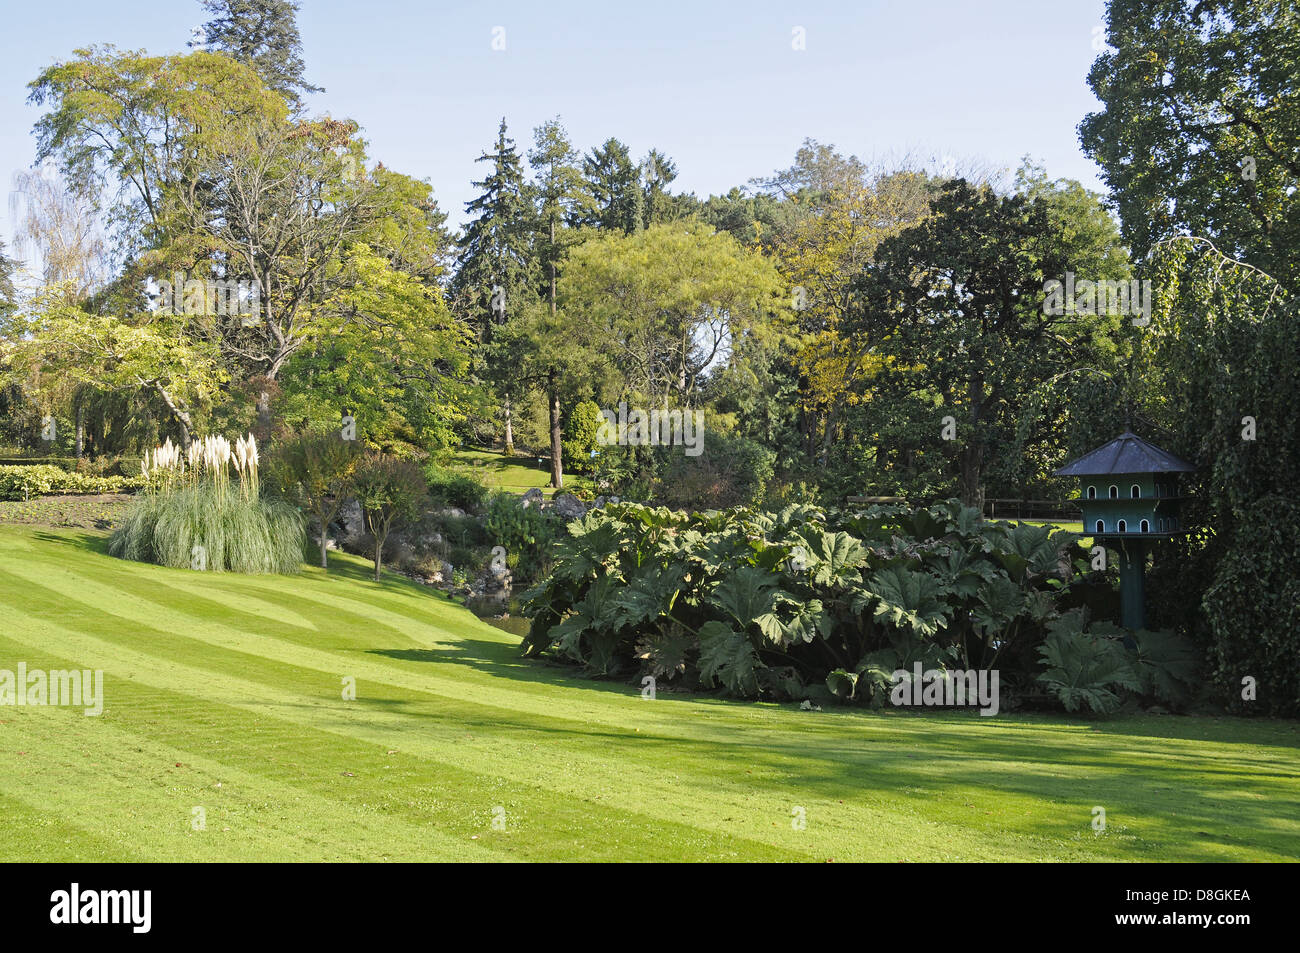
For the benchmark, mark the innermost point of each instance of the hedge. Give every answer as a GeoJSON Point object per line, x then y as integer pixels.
{"type": "Point", "coordinates": [24, 482]}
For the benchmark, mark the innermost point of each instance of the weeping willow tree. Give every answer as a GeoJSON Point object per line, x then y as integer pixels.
{"type": "Point", "coordinates": [1222, 368]}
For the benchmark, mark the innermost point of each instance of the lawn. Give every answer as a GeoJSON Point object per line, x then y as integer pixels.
{"type": "Point", "coordinates": [224, 693]}
{"type": "Point", "coordinates": [516, 474]}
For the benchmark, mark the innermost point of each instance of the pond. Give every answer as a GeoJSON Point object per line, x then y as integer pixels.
{"type": "Point", "coordinates": [504, 615]}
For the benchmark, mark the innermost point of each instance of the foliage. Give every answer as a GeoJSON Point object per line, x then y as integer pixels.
{"type": "Point", "coordinates": [775, 604]}
{"type": "Point", "coordinates": [1252, 610]}
{"type": "Point", "coordinates": [580, 432]}
{"type": "Point", "coordinates": [1085, 668]}
{"type": "Point", "coordinates": [1199, 131]}
{"type": "Point", "coordinates": [313, 470]}
{"type": "Point", "coordinates": [235, 533]}
{"type": "Point", "coordinates": [526, 532]}
{"type": "Point", "coordinates": [25, 482]}
{"type": "Point", "coordinates": [390, 492]}
{"type": "Point", "coordinates": [448, 487]}
{"type": "Point", "coordinates": [262, 34]}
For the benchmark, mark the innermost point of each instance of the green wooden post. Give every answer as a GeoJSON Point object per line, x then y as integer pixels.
{"type": "Point", "coordinates": [1132, 583]}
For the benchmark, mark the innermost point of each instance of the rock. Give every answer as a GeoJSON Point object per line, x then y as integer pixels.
{"type": "Point", "coordinates": [453, 511]}
{"type": "Point", "coordinates": [615, 499]}
{"type": "Point", "coordinates": [598, 503]}
{"type": "Point", "coordinates": [569, 506]}
{"type": "Point", "coordinates": [533, 496]}
{"type": "Point", "coordinates": [350, 517]}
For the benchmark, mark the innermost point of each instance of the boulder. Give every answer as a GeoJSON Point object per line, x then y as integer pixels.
{"type": "Point", "coordinates": [569, 506]}
{"type": "Point", "coordinates": [533, 496]}
{"type": "Point", "coordinates": [350, 518]}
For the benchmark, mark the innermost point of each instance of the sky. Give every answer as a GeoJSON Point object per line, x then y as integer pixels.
{"type": "Point", "coordinates": [720, 87]}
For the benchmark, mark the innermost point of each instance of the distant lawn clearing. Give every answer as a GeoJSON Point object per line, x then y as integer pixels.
{"type": "Point", "coordinates": [224, 693]}
{"type": "Point", "coordinates": [516, 474]}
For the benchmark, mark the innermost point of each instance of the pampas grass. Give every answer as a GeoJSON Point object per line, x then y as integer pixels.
{"type": "Point", "coordinates": [190, 516]}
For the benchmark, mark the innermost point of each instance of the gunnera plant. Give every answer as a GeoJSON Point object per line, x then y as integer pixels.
{"type": "Point", "coordinates": [190, 515]}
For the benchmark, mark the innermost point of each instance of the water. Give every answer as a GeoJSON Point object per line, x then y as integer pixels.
{"type": "Point", "coordinates": [492, 611]}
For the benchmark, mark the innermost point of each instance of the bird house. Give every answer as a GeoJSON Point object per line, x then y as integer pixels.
{"type": "Point", "coordinates": [1129, 495]}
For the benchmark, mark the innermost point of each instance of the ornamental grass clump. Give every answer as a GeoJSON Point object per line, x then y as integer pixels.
{"type": "Point", "coordinates": [191, 515]}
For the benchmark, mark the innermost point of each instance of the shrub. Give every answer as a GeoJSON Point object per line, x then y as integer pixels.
{"type": "Point", "coordinates": [796, 604]}
{"type": "Point", "coordinates": [25, 482]}
{"type": "Point", "coordinates": [1253, 611]}
{"type": "Point", "coordinates": [211, 528]}
{"type": "Point", "coordinates": [451, 488]}
{"type": "Point", "coordinates": [730, 471]}
{"type": "Point", "coordinates": [1085, 668]}
{"type": "Point", "coordinates": [195, 517]}
{"type": "Point", "coordinates": [580, 432]}
{"type": "Point", "coordinates": [526, 533]}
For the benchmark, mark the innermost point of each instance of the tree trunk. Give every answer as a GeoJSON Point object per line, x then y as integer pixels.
{"type": "Point", "coordinates": [972, 494]}
{"type": "Point", "coordinates": [81, 430]}
{"type": "Point", "coordinates": [182, 416]}
{"type": "Point", "coordinates": [264, 418]}
{"type": "Point", "coordinates": [324, 559]}
{"type": "Point", "coordinates": [510, 431]}
{"type": "Point", "coordinates": [553, 398]}
{"type": "Point", "coordinates": [552, 249]}
{"type": "Point", "coordinates": [379, 557]}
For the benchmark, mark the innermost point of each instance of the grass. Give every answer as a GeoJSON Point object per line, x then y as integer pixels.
{"type": "Point", "coordinates": [224, 693]}
{"type": "Point", "coordinates": [515, 474]}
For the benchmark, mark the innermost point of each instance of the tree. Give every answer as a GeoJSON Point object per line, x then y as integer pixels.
{"type": "Point", "coordinates": [389, 491]}
{"type": "Point", "coordinates": [497, 270]}
{"type": "Point", "coordinates": [497, 265]}
{"type": "Point", "coordinates": [659, 205]}
{"type": "Point", "coordinates": [391, 354]}
{"type": "Point", "coordinates": [143, 129]}
{"type": "Point", "coordinates": [560, 197]}
{"type": "Point", "coordinates": [314, 469]}
{"type": "Point", "coordinates": [8, 294]}
{"type": "Point", "coordinates": [220, 184]}
{"type": "Point", "coordinates": [57, 343]}
{"type": "Point", "coordinates": [845, 211]}
{"type": "Point", "coordinates": [57, 225]}
{"type": "Point", "coordinates": [1200, 127]}
{"type": "Point", "coordinates": [957, 304]}
{"type": "Point", "coordinates": [262, 34]}
{"type": "Point", "coordinates": [669, 304]}
{"type": "Point", "coordinates": [613, 184]}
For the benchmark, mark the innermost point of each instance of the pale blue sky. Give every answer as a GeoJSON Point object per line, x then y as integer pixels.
{"type": "Point", "coordinates": [717, 86]}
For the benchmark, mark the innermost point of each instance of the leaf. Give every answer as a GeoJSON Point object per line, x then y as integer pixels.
{"type": "Point", "coordinates": [727, 657]}
{"type": "Point", "coordinates": [1084, 669]}
{"type": "Point", "coordinates": [842, 683]}
{"type": "Point", "coordinates": [905, 598]}
{"type": "Point", "coordinates": [1166, 664]}
{"type": "Point", "coordinates": [999, 603]}
{"type": "Point", "coordinates": [746, 594]}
